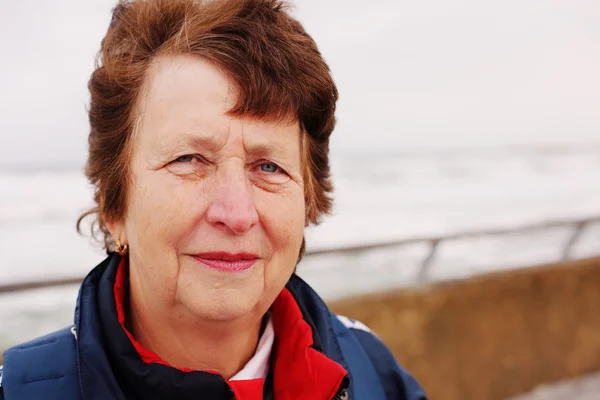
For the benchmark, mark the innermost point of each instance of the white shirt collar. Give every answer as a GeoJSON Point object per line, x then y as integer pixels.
{"type": "Point", "coordinates": [258, 366]}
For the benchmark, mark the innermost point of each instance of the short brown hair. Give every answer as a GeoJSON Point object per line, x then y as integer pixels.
{"type": "Point", "coordinates": [275, 65]}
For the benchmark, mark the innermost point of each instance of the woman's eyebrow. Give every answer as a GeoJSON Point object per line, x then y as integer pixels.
{"type": "Point", "coordinates": [268, 150]}
{"type": "Point", "coordinates": [189, 141]}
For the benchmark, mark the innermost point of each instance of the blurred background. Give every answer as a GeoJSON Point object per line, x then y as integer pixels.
{"type": "Point", "coordinates": [466, 163]}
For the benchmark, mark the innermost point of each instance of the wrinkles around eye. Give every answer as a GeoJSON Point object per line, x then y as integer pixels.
{"type": "Point", "coordinates": [263, 174]}
{"type": "Point", "coordinates": [189, 158]}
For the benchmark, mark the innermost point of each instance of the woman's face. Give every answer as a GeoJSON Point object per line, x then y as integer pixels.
{"type": "Point", "coordinates": [216, 211]}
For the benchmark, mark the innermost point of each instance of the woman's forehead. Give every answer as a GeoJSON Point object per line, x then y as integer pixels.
{"type": "Point", "coordinates": [186, 84]}
{"type": "Point", "coordinates": [186, 105]}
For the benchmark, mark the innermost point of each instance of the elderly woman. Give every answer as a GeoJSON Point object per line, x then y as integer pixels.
{"type": "Point", "coordinates": [208, 150]}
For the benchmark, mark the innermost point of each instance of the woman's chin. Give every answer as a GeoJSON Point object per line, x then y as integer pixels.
{"type": "Point", "coordinates": [208, 302]}
{"type": "Point", "coordinates": [220, 309]}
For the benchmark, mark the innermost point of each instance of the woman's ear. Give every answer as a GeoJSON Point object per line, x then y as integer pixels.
{"type": "Point", "coordinates": [117, 231]}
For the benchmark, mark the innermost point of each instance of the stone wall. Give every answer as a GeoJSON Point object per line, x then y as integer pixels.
{"type": "Point", "coordinates": [491, 336]}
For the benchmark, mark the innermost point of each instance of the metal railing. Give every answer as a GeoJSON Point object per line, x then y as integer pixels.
{"type": "Point", "coordinates": [579, 225]}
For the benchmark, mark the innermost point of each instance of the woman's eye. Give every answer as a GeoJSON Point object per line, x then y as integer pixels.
{"type": "Point", "coordinates": [270, 168]}
{"type": "Point", "coordinates": [186, 159]}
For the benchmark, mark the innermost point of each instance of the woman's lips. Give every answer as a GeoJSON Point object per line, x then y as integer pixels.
{"type": "Point", "coordinates": [226, 261]}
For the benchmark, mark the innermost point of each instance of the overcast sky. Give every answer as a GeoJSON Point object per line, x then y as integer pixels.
{"type": "Point", "coordinates": [411, 74]}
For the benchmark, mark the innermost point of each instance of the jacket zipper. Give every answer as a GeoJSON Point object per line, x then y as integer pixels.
{"type": "Point", "coordinates": [342, 393]}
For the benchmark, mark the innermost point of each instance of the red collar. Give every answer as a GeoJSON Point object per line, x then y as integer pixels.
{"type": "Point", "coordinates": [299, 371]}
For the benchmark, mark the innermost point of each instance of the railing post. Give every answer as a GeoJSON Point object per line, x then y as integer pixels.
{"type": "Point", "coordinates": [577, 231]}
{"type": "Point", "coordinates": [426, 266]}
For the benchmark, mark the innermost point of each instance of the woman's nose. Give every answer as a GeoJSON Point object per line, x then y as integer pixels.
{"type": "Point", "coordinates": [232, 203]}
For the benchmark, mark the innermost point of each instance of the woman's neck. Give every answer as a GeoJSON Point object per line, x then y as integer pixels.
{"type": "Point", "coordinates": [223, 347]}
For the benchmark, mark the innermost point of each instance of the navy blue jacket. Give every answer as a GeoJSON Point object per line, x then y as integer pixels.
{"type": "Point", "coordinates": [73, 364]}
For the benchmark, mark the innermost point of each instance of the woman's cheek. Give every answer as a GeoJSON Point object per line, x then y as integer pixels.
{"type": "Point", "coordinates": [283, 215]}
{"type": "Point", "coordinates": [168, 207]}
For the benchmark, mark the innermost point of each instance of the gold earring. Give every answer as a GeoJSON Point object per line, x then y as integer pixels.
{"type": "Point", "coordinates": [121, 248]}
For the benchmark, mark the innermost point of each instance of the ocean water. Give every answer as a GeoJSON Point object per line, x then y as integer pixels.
{"type": "Point", "coordinates": [379, 197]}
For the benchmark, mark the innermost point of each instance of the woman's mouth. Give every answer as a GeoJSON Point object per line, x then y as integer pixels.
{"type": "Point", "coordinates": [227, 262]}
